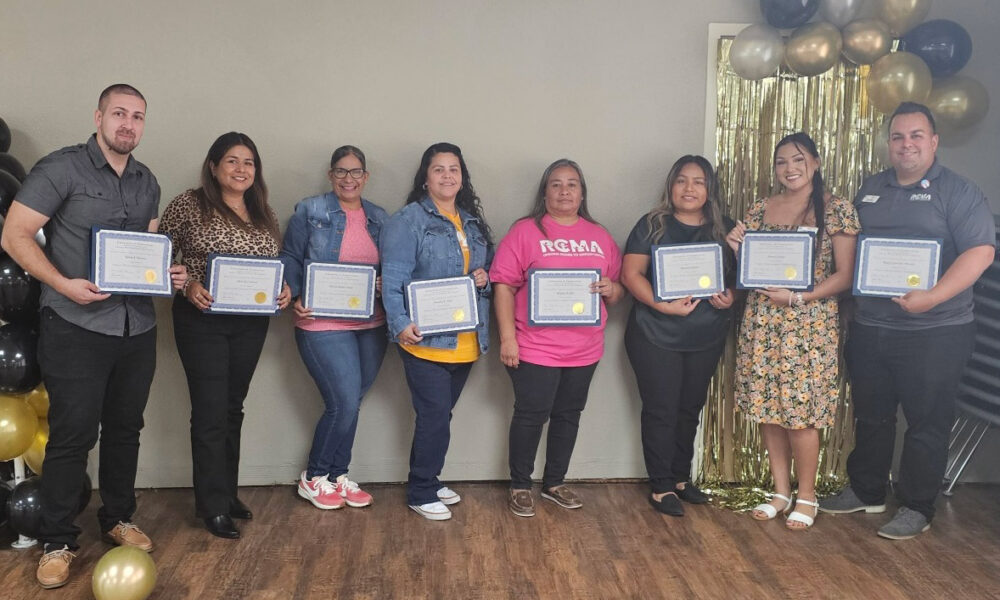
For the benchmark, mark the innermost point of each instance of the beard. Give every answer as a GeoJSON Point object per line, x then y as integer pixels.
{"type": "Point", "coordinates": [122, 146]}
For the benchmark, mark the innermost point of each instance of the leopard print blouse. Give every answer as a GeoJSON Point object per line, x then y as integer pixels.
{"type": "Point", "coordinates": [195, 241]}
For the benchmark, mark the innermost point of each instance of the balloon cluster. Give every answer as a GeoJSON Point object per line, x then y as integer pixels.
{"type": "Point", "coordinates": [922, 69]}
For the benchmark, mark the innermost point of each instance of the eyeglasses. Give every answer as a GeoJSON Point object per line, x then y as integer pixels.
{"type": "Point", "coordinates": [339, 173]}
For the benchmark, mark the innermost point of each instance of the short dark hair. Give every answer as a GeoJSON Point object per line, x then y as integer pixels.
{"type": "Point", "coordinates": [909, 108]}
{"type": "Point", "coordinates": [117, 88]}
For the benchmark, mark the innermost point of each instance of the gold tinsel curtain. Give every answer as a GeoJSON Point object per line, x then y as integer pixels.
{"type": "Point", "coordinates": [751, 117]}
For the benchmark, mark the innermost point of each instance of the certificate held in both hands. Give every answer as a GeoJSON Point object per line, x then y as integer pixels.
{"type": "Point", "coordinates": [780, 259]}
{"type": "Point", "coordinates": [562, 297]}
{"type": "Point", "coordinates": [891, 267]}
{"type": "Point", "coordinates": [247, 285]}
{"type": "Point", "coordinates": [130, 262]}
{"type": "Point", "coordinates": [682, 270]}
{"type": "Point", "coordinates": [443, 305]}
{"type": "Point", "coordinates": [339, 290]}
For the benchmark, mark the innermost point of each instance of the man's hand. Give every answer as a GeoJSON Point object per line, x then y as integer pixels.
{"type": "Point", "coordinates": [82, 291]}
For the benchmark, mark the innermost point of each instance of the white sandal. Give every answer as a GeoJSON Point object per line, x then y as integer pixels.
{"type": "Point", "coordinates": [798, 517]}
{"type": "Point", "coordinates": [769, 509]}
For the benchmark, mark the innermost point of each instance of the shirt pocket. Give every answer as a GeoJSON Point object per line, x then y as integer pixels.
{"type": "Point", "coordinates": [320, 231]}
{"type": "Point", "coordinates": [92, 206]}
{"type": "Point", "coordinates": [436, 247]}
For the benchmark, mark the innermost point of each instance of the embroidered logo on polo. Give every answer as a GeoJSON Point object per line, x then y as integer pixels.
{"type": "Point", "coordinates": [869, 199]}
{"type": "Point", "coordinates": [921, 197]}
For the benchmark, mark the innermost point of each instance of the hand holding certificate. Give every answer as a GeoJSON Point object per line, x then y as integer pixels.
{"type": "Point", "coordinates": [131, 262]}
{"type": "Point", "coordinates": [890, 267]}
{"type": "Point", "coordinates": [562, 297]}
{"type": "Point", "coordinates": [683, 270]}
{"type": "Point", "coordinates": [777, 259]}
{"type": "Point", "coordinates": [244, 284]}
{"type": "Point", "coordinates": [338, 290]}
{"type": "Point", "coordinates": [443, 305]}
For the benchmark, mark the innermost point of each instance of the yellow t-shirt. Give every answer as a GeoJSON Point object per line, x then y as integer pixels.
{"type": "Point", "coordinates": [467, 349]}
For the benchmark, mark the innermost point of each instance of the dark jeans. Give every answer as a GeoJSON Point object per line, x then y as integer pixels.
{"type": "Point", "coordinates": [96, 383]}
{"type": "Point", "coordinates": [921, 370]}
{"type": "Point", "coordinates": [673, 387]}
{"type": "Point", "coordinates": [553, 394]}
{"type": "Point", "coordinates": [344, 365]}
{"type": "Point", "coordinates": [434, 390]}
{"type": "Point", "coordinates": [219, 354]}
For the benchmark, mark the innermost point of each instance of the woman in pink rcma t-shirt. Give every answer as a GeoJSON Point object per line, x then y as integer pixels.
{"type": "Point", "coordinates": [550, 366]}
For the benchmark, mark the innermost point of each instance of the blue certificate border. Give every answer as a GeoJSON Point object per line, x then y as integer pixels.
{"type": "Point", "coordinates": [99, 235]}
{"type": "Point", "coordinates": [805, 284]}
{"type": "Point", "coordinates": [364, 313]}
{"type": "Point", "coordinates": [656, 251]}
{"type": "Point", "coordinates": [591, 316]}
{"type": "Point", "coordinates": [216, 260]}
{"type": "Point", "coordinates": [469, 284]}
{"type": "Point", "coordinates": [865, 243]}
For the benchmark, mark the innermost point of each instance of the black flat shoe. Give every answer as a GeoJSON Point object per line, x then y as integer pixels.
{"type": "Point", "coordinates": [222, 526]}
{"type": "Point", "coordinates": [238, 510]}
{"type": "Point", "coordinates": [668, 505]}
{"type": "Point", "coordinates": [691, 494]}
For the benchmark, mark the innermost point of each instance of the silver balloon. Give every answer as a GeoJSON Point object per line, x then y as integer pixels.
{"type": "Point", "coordinates": [840, 12]}
{"type": "Point", "coordinates": [813, 49]}
{"type": "Point", "coordinates": [958, 103]}
{"type": "Point", "coordinates": [756, 52]}
{"type": "Point", "coordinates": [902, 15]}
{"type": "Point", "coordinates": [866, 40]}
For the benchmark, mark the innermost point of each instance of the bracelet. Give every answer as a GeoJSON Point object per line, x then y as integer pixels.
{"type": "Point", "coordinates": [184, 288]}
{"type": "Point", "coordinates": [799, 300]}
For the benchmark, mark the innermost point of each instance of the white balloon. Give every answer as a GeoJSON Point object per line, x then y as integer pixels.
{"type": "Point", "coordinates": [840, 12]}
{"type": "Point", "coordinates": [756, 52]}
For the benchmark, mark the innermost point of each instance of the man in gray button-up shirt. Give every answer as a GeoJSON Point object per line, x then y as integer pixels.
{"type": "Point", "coordinates": [97, 351]}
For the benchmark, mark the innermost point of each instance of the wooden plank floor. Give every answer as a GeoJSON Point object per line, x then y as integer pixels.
{"type": "Point", "coordinates": [615, 547]}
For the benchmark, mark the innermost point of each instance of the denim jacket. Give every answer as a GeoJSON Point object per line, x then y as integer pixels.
{"type": "Point", "coordinates": [315, 231]}
{"type": "Point", "coordinates": [418, 242]}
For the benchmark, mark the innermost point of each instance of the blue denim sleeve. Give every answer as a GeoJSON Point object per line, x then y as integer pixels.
{"type": "Point", "coordinates": [398, 247]}
{"type": "Point", "coordinates": [293, 249]}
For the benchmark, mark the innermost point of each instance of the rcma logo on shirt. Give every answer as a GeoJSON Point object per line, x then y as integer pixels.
{"type": "Point", "coordinates": [560, 246]}
{"type": "Point", "coordinates": [921, 198]}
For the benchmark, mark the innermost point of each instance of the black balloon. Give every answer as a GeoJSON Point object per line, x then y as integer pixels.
{"type": "Point", "coordinates": [19, 293]}
{"type": "Point", "coordinates": [24, 507]}
{"type": "Point", "coordinates": [19, 372]}
{"type": "Point", "coordinates": [9, 187]}
{"type": "Point", "coordinates": [788, 14]}
{"type": "Point", "coordinates": [4, 136]}
{"type": "Point", "coordinates": [944, 45]}
{"type": "Point", "coordinates": [13, 166]}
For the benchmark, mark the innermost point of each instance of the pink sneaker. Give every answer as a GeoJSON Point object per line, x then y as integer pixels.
{"type": "Point", "coordinates": [320, 492]}
{"type": "Point", "coordinates": [351, 493]}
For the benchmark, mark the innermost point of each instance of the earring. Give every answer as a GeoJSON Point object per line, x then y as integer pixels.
{"type": "Point", "coordinates": [425, 186]}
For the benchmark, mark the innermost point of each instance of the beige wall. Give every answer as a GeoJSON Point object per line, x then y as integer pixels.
{"type": "Point", "coordinates": [619, 87]}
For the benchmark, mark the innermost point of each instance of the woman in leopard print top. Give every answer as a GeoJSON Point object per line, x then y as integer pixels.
{"type": "Point", "coordinates": [228, 214]}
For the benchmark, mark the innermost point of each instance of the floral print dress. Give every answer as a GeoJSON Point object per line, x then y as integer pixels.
{"type": "Point", "coordinates": [787, 363]}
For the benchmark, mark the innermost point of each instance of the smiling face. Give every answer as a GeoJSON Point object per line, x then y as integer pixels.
{"type": "Point", "coordinates": [120, 122]}
{"type": "Point", "coordinates": [444, 177]}
{"type": "Point", "coordinates": [563, 193]}
{"type": "Point", "coordinates": [235, 171]}
{"type": "Point", "coordinates": [689, 191]}
{"type": "Point", "coordinates": [345, 185]}
{"type": "Point", "coordinates": [794, 167]}
{"type": "Point", "coordinates": [912, 145]}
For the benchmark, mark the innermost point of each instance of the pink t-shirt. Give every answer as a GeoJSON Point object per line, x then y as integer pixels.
{"type": "Point", "coordinates": [583, 245]}
{"type": "Point", "coordinates": [355, 247]}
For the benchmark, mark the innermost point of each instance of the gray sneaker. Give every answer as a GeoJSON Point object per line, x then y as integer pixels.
{"type": "Point", "coordinates": [847, 502]}
{"type": "Point", "coordinates": [905, 525]}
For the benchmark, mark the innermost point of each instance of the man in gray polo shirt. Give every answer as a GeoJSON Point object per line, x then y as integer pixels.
{"type": "Point", "coordinates": [912, 350]}
{"type": "Point", "coordinates": [97, 351]}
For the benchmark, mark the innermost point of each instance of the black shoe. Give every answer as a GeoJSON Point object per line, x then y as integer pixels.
{"type": "Point", "coordinates": [691, 494]}
{"type": "Point", "coordinates": [238, 510]}
{"type": "Point", "coordinates": [668, 505]}
{"type": "Point", "coordinates": [222, 526]}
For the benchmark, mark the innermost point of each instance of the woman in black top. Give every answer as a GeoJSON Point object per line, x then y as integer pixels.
{"type": "Point", "coordinates": [674, 346]}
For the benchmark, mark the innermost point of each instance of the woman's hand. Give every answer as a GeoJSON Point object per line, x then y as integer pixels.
{"type": "Point", "coordinates": [481, 277]}
{"type": "Point", "coordinates": [779, 296]}
{"type": "Point", "coordinates": [681, 307]}
{"type": "Point", "coordinates": [199, 296]}
{"type": "Point", "coordinates": [509, 353]}
{"type": "Point", "coordinates": [179, 276]}
{"type": "Point", "coordinates": [285, 297]}
{"type": "Point", "coordinates": [301, 311]}
{"type": "Point", "coordinates": [735, 236]}
{"type": "Point", "coordinates": [605, 287]}
{"type": "Point", "coordinates": [722, 300]}
{"type": "Point", "coordinates": [410, 334]}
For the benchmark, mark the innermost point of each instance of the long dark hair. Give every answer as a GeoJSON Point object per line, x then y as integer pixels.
{"type": "Point", "coordinates": [209, 195]}
{"type": "Point", "coordinates": [817, 198]}
{"type": "Point", "coordinates": [348, 150]}
{"type": "Point", "coordinates": [466, 199]}
{"type": "Point", "coordinates": [538, 208]}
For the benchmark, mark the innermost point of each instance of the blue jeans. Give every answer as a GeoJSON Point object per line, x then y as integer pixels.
{"type": "Point", "coordinates": [344, 365]}
{"type": "Point", "coordinates": [434, 388]}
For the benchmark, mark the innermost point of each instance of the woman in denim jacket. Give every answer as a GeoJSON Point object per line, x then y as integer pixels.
{"type": "Point", "coordinates": [342, 355]}
{"type": "Point", "coordinates": [440, 233]}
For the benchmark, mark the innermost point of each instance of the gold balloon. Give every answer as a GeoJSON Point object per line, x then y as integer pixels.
{"type": "Point", "coordinates": [902, 15]}
{"type": "Point", "coordinates": [897, 78]}
{"type": "Point", "coordinates": [38, 399]}
{"type": "Point", "coordinates": [958, 103]}
{"type": "Point", "coordinates": [17, 426]}
{"type": "Point", "coordinates": [124, 573]}
{"type": "Point", "coordinates": [881, 143]}
{"type": "Point", "coordinates": [34, 456]}
{"type": "Point", "coordinates": [866, 40]}
{"type": "Point", "coordinates": [813, 49]}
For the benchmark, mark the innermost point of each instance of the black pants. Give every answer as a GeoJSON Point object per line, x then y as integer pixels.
{"type": "Point", "coordinates": [673, 387]}
{"type": "Point", "coordinates": [553, 394]}
{"type": "Point", "coordinates": [96, 383]}
{"type": "Point", "coordinates": [921, 370]}
{"type": "Point", "coordinates": [219, 354]}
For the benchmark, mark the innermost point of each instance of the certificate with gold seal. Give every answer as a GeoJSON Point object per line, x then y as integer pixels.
{"type": "Point", "coordinates": [895, 266]}
{"type": "Point", "coordinates": [131, 262]}
{"type": "Point", "coordinates": [562, 297]}
{"type": "Point", "coordinates": [339, 290]}
{"type": "Point", "coordinates": [682, 270]}
{"type": "Point", "coordinates": [244, 284]}
{"type": "Point", "coordinates": [781, 259]}
{"type": "Point", "coordinates": [443, 305]}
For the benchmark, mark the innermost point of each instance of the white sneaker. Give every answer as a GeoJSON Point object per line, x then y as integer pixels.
{"type": "Point", "coordinates": [435, 511]}
{"type": "Point", "coordinates": [448, 496]}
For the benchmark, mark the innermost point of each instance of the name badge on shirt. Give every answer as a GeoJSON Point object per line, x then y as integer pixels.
{"type": "Point", "coordinates": [869, 199]}
{"type": "Point", "coordinates": [808, 228]}
{"type": "Point", "coordinates": [921, 197]}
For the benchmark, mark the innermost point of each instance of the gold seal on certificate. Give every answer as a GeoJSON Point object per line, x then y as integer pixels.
{"type": "Point", "coordinates": [891, 267]}
{"type": "Point", "coordinates": [682, 270]}
{"type": "Point", "coordinates": [791, 272]}
{"type": "Point", "coordinates": [704, 282]}
{"type": "Point", "coordinates": [150, 276]}
{"type": "Point", "coordinates": [339, 290]}
{"type": "Point", "coordinates": [260, 297]}
{"type": "Point", "coordinates": [562, 297]}
{"type": "Point", "coordinates": [578, 308]}
{"type": "Point", "coordinates": [244, 284]}
{"type": "Point", "coordinates": [353, 302]}
{"type": "Point", "coordinates": [913, 280]}
{"type": "Point", "coordinates": [443, 305]}
{"type": "Point", "coordinates": [131, 262]}
{"type": "Point", "coordinates": [781, 259]}
{"type": "Point", "coordinates": [458, 315]}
